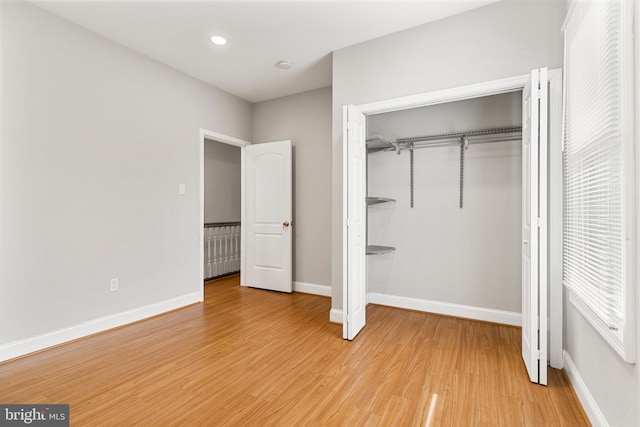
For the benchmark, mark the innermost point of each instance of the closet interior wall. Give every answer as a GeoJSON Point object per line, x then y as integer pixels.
{"type": "Point", "coordinates": [470, 255]}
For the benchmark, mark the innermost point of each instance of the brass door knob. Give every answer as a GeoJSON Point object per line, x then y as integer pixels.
{"type": "Point", "coordinates": [285, 224]}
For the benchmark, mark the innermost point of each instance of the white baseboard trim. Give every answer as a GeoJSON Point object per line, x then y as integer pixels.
{"type": "Point", "coordinates": [589, 404]}
{"type": "Point", "coordinates": [29, 345]}
{"type": "Point", "coordinates": [312, 288]}
{"type": "Point", "coordinates": [335, 315]}
{"type": "Point", "coordinates": [449, 309]}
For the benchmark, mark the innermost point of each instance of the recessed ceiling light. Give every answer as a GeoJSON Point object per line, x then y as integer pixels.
{"type": "Point", "coordinates": [218, 40]}
{"type": "Point", "coordinates": [284, 64]}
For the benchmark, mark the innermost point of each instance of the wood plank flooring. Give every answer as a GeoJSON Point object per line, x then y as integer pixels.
{"type": "Point", "coordinates": [247, 357]}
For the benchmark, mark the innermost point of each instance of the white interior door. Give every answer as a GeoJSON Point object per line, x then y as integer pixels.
{"type": "Point", "coordinates": [268, 216]}
{"type": "Point", "coordinates": [355, 220]}
{"type": "Point", "coordinates": [534, 219]}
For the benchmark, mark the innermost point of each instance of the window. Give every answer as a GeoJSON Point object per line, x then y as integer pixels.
{"type": "Point", "coordinates": [598, 250]}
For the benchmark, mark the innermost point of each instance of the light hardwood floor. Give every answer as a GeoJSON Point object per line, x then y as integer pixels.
{"type": "Point", "coordinates": [248, 357]}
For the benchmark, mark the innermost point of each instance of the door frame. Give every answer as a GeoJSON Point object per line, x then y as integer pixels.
{"type": "Point", "coordinates": [495, 87]}
{"type": "Point", "coordinates": [210, 135]}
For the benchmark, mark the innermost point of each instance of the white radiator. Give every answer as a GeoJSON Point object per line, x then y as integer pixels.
{"type": "Point", "coordinates": [221, 249]}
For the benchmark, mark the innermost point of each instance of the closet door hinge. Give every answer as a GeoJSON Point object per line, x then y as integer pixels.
{"type": "Point", "coordinates": [349, 127]}
{"type": "Point", "coordinates": [538, 222]}
{"type": "Point", "coordinates": [346, 222]}
{"type": "Point", "coordinates": [539, 354]}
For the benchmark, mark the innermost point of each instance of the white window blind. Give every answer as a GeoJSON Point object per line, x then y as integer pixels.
{"type": "Point", "coordinates": [598, 266]}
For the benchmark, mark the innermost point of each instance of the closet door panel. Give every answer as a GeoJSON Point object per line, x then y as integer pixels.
{"type": "Point", "coordinates": [354, 284]}
{"type": "Point", "coordinates": [529, 237]}
{"type": "Point", "coordinates": [534, 182]}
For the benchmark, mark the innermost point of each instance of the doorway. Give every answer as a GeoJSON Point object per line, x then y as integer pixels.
{"type": "Point", "coordinates": [222, 209]}
{"type": "Point", "coordinates": [211, 137]}
{"type": "Point", "coordinates": [265, 201]}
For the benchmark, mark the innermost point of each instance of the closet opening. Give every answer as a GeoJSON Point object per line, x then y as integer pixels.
{"type": "Point", "coordinates": [444, 196]}
{"type": "Point", "coordinates": [452, 204]}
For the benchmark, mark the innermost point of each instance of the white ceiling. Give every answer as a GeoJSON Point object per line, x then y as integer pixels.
{"type": "Point", "coordinates": [259, 33]}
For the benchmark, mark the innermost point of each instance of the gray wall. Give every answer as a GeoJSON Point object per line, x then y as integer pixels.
{"type": "Point", "coordinates": [613, 383]}
{"type": "Point", "coordinates": [505, 39]}
{"type": "Point", "coordinates": [305, 119]}
{"type": "Point", "coordinates": [469, 256]}
{"type": "Point", "coordinates": [222, 177]}
{"type": "Point", "coordinates": [95, 141]}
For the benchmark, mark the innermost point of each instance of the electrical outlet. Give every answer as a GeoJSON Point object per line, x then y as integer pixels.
{"type": "Point", "coordinates": [113, 285]}
{"type": "Point", "coordinates": [182, 189]}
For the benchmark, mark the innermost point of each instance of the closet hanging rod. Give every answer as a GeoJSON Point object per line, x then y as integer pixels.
{"type": "Point", "coordinates": [513, 133]}
{"type": "Point", "coordinates": [469, 134]}
{"type": "Point", "coordinates": [457, 142]}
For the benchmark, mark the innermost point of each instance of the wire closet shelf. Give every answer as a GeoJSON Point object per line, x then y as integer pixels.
{"type": "Point", "coordinates": [379, 143]}
{"type": "Point", "coordinates": [461, 139]}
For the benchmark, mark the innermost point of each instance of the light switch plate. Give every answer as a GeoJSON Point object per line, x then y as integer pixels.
{"type": "Point", "coordinates": [182, 189]}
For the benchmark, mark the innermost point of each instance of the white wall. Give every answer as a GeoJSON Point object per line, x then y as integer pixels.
{"type": "Point", "coordinates": [469, 256]}
{"type": "Point", "coordinates": [505, 39]}
{"type": "Point", "coordinates": [95, 141]}
{"type": "Point", "coordinates": [613, 384]}
{"type": "Point", "coordinates": [305, 119]}
{"type": "Point", "coordinates": [222, 177]}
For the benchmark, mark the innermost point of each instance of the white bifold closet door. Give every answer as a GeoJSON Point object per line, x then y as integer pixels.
{"type": "Point", "coordinates": [355, 228]}
{"type": "Point", "coordinates": [534, 226]}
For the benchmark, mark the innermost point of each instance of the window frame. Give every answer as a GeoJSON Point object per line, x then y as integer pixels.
{"type": "Point", "coordinates": [624, 342]}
